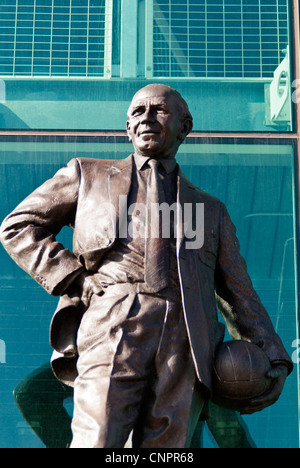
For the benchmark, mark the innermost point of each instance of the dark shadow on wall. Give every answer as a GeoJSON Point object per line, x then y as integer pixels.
{"type": "Point", "coordinates": [10, 121]}
{"type": "Point", "coordinates": [40, 398]}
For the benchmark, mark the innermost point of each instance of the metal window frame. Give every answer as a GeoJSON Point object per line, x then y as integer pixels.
{"type": "Point", "coordinates": [108, 42]}
{"type": "Point", "coordinates": [182, 57]}
{"type": "Point", "coordinates": [129, 39]}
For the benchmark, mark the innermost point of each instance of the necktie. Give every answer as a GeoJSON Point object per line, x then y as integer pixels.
{"type": "Point", "coordinates": [157, 252]}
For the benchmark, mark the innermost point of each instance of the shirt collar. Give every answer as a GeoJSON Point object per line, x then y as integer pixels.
{"type": "Point", "coordinates": [169, 165]}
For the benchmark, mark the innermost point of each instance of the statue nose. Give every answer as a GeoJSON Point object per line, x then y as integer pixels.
{"type": "Point", "coordinates": [148, 116]}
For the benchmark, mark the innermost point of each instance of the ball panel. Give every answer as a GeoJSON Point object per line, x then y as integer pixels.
{"type": "Point", "coordinates": [240, 373]}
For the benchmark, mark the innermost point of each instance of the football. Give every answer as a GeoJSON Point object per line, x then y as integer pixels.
{"type": "Point", "coordinates": [239, 374]}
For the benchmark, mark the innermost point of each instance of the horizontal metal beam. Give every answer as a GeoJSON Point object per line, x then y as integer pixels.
{"type": "Point", "coordinates": [112, 134]}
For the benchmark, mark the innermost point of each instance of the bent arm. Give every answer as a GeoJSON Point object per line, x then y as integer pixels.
{"type": "Point", "coordinates": [29, 233]}
{"type": "Point", "coordinates": [239, 304]}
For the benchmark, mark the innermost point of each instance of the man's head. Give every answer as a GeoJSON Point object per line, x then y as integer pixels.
{"type": "Point", "coordinates": [158, 121]}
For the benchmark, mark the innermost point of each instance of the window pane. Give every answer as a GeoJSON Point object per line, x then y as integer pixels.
{"type": "Point", "coordinates": [212, 51]}
{"type": "Point", "coordinates": [255, 181]}
{"type": "Point", "coordinates": [53, 22]}
{"type": "Point", "coordinates": [196, 27]}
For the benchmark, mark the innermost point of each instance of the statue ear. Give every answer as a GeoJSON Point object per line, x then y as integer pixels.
{"type": "Point", "coordinates": [186, 128]}
{"type": "Point", "coordinates": [128, 130]}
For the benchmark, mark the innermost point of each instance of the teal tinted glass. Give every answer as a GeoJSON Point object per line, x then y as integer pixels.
{"type": "Point", "coordinates": [256, 182]}
{"type": "Point", "coordinates": [70, 64]}
{"type": "Point", "coordinates": [219, 39]}
{"type": "Point", "coordinates": [52, 38]}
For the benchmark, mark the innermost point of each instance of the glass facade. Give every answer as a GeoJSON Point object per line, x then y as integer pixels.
{"type": "Point", "coordinates": [262, 179]}
{"type": "Point", "coordinates": [68, 70]}
{"type": "Point", "coordinates": [219, 39]}
{"type": "Point", "coordinates": [52, 38]}
{"type": "Point", "coordinates": [211, 50]}
{"type": "Point", "coordinates": [191, 39]}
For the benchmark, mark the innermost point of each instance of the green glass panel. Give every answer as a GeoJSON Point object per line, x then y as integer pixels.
{"type": "Point", "coordinates": [256, 182]}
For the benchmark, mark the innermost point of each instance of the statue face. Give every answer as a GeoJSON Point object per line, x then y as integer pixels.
{"type": "Point", "coordinates": [154, 122]}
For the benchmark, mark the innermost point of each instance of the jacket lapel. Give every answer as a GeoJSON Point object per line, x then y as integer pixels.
{"type": "Point", "coordinates": [185, 195]}
{"type": "Point", "coordinates": [119, 184]}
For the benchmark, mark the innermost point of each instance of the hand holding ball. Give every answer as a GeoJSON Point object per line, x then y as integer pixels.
{"type": "Point", "coordinates": [240, 370]}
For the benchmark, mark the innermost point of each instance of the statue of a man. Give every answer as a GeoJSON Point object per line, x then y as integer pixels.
{"type": "Point", "coordinates": [136, 328]}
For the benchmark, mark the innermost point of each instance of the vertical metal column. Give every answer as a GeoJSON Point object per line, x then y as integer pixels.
{"type": "Point", "coordinates": [15, 38]}
{"type": "Point", "coordinates": [149, 39]}
{"type": "Point", "coordinates": [129, 38]}
{"type": "Point", "coordinates": [296, 100]}
{"type": "Point", "coordinates": [108, 39]}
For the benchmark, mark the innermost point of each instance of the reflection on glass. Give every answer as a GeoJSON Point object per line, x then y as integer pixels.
{"type": "Point", "coordinates": [256, 182]}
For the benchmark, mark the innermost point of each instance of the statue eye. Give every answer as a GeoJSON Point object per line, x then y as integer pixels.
{"type": "Point", "coordinates": [138, 111]}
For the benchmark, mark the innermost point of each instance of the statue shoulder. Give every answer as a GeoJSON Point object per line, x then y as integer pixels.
{"type": "Point", "coordinates": [102, 165]}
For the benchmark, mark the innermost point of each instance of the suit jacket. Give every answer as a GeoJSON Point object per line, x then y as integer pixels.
{"type": "Point", "coordinates": [86, 196]}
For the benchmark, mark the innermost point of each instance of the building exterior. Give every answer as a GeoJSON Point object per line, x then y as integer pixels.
{"type": "Point", "coordinates": [68, 70]}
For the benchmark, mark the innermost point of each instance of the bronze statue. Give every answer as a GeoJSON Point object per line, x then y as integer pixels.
{"type": "Point", "coordinates": [41, 399]}
{"type": "Point", "coordinates": [136, 328]}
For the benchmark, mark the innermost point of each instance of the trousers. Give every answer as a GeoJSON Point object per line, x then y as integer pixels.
{"type": "Point", "coordinates": [135, 373]}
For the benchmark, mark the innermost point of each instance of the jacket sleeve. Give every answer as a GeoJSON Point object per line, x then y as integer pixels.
{"type": "Point", "coordinates": [29, 233]}
{"type": "Point", "coordinates": [245, 316]}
